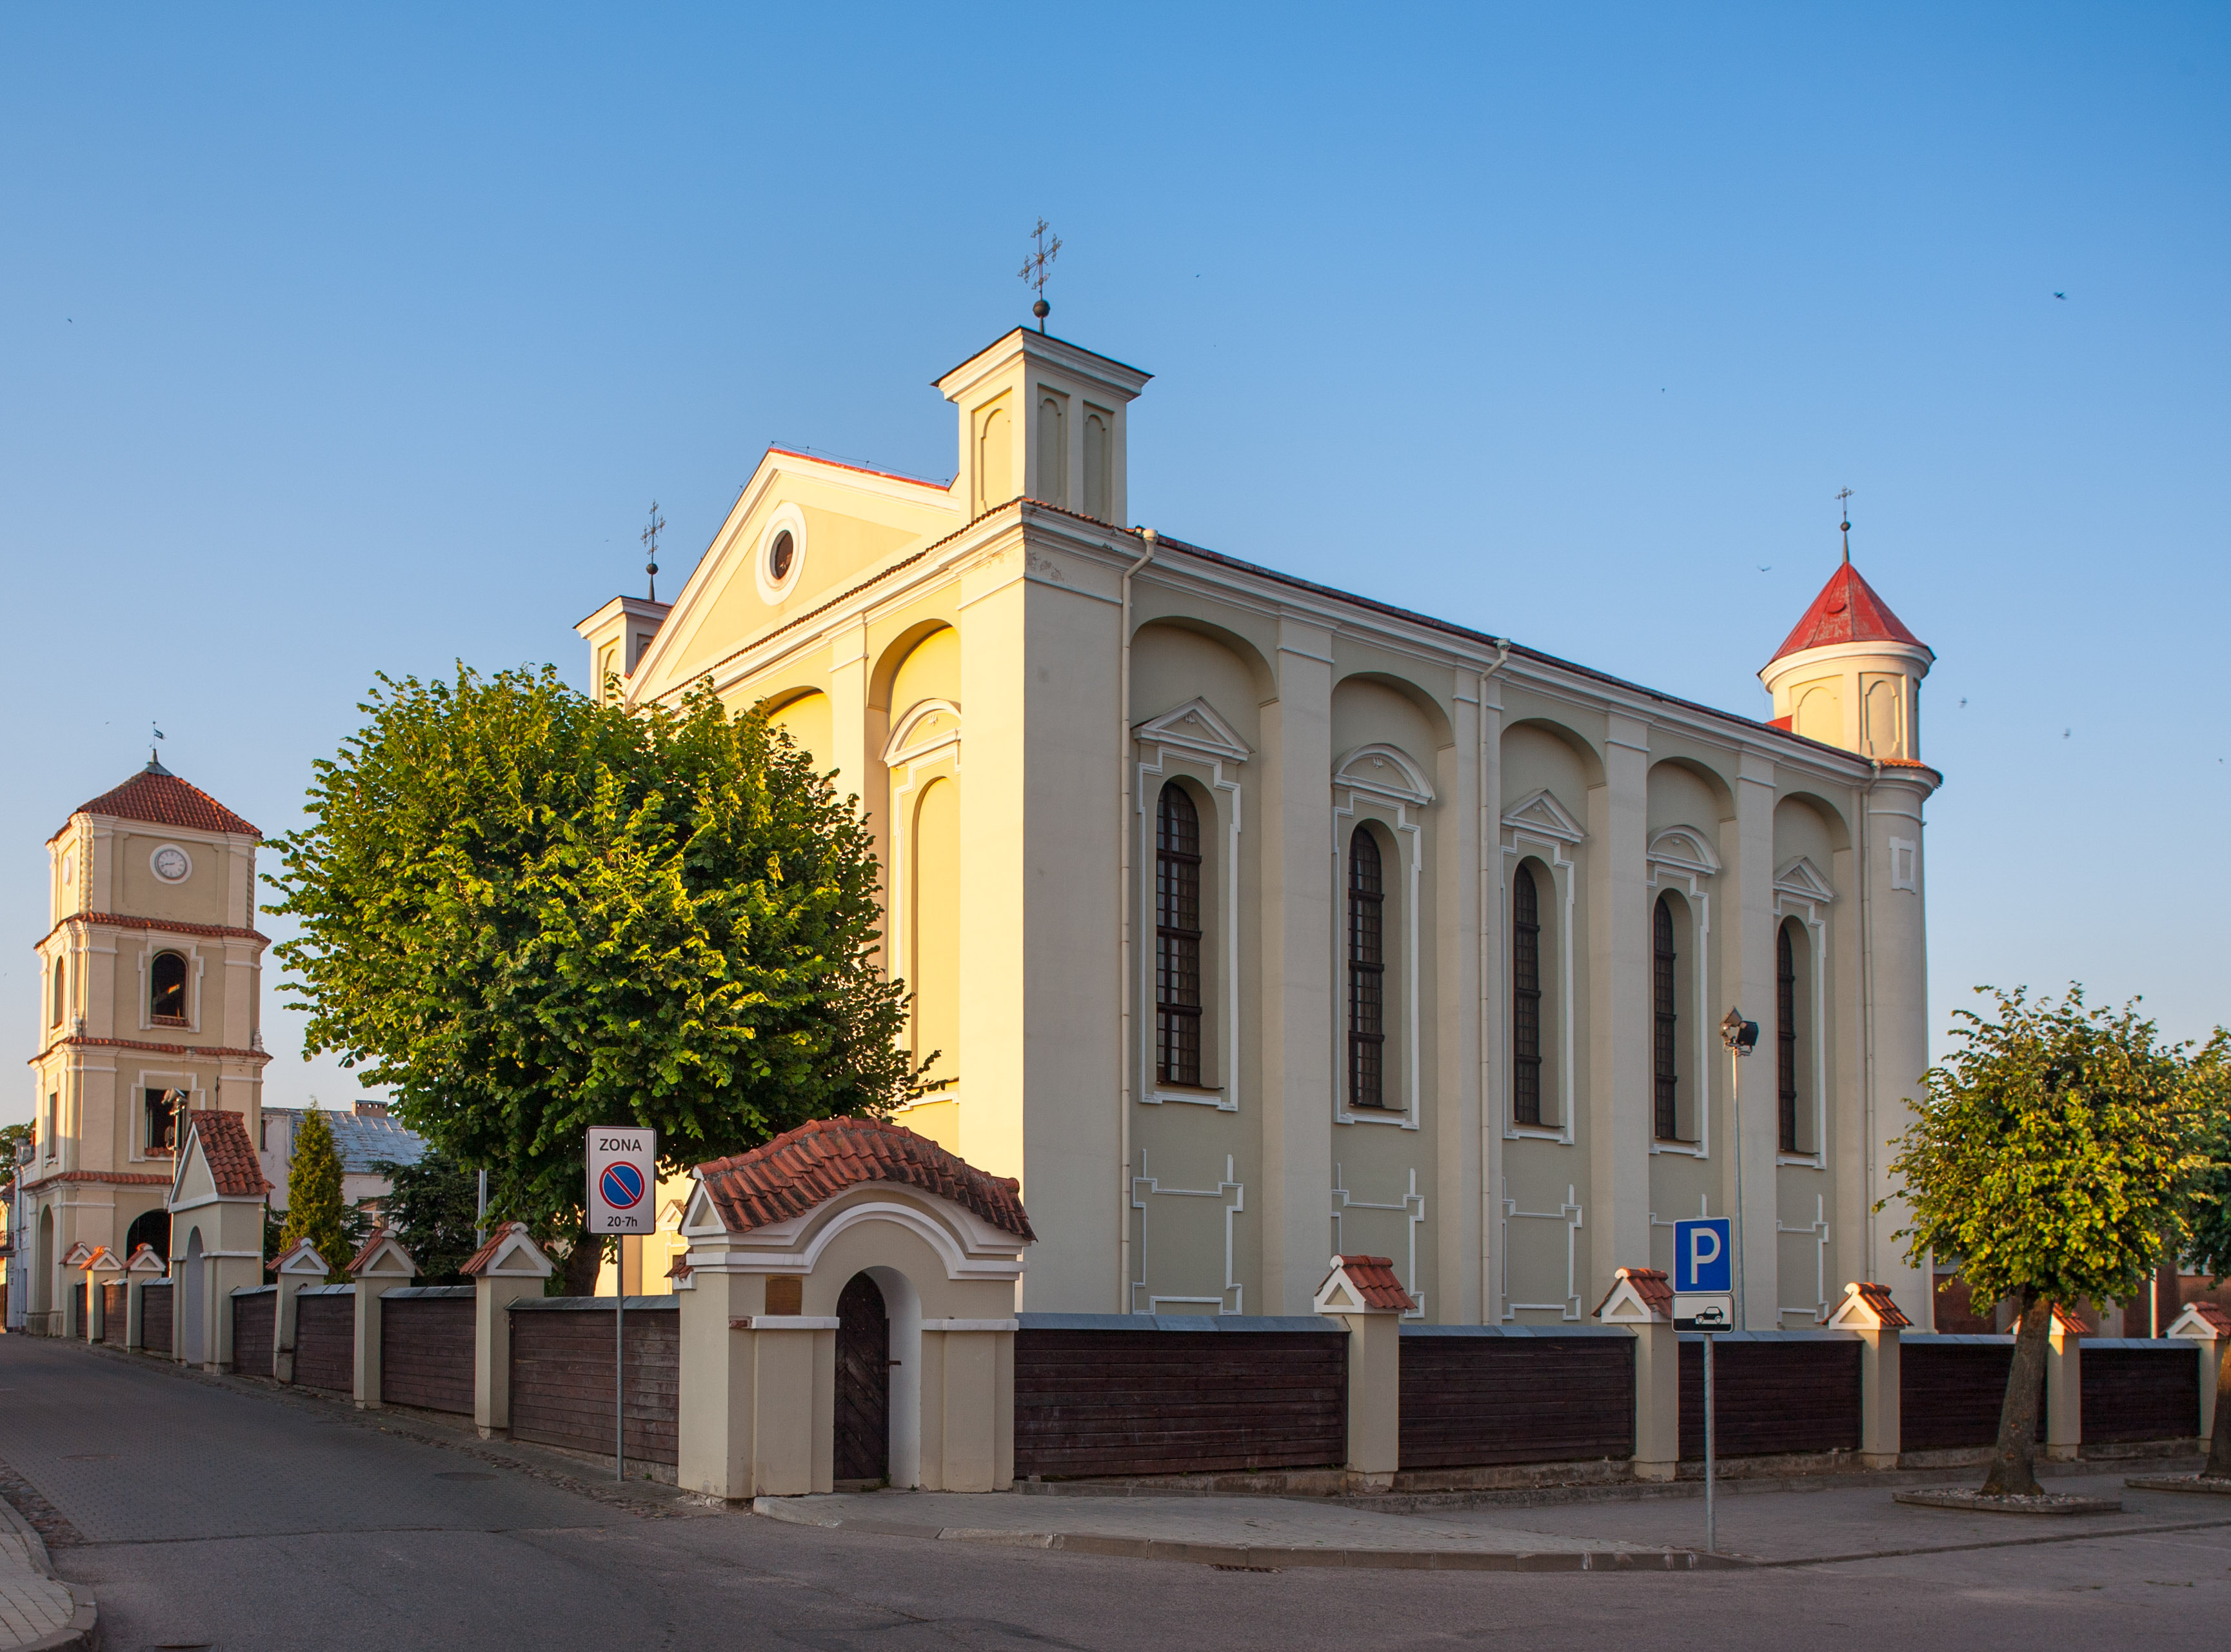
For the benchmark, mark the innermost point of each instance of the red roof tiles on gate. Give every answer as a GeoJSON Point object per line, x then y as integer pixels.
{"type": "Point", "coordinates": [232, 1157]}
{"type": "Point", "coordinates": [1846, 611]}
{"type": "Point", "coordinates": [160, 798]}
{"type": "Point", "coordinates": [1651, 1285]}
{"type": "Point", "coordinates": [1878, 1298]}
{"type": "Point", "coordinates": [812, 1164]}
{"type": "Point", "coordinates": [1375, 1281]}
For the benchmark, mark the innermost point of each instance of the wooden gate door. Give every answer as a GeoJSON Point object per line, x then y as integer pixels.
{"type": "Point", "coordinates": [864, 1382]}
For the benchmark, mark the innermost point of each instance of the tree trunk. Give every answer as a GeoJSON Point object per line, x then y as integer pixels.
{"type": "Point", "coordinates": [582, 1264]}
{"type": "Point", "coordinates": [2219, 1442]}
{"type": "Point", "coordinates": [2013, 1461]}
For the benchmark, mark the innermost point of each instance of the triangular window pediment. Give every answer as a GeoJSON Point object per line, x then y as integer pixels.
{"type": "Point", "coordinates": [1542, 814]}
{"type": "Point", "coordinates": [1802, 879]}
{"type": "Point", "coordinates": [1194, 727]}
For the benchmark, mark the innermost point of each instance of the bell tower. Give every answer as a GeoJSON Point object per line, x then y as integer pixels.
{"type": "Point", "coordinates": [1042, 420]}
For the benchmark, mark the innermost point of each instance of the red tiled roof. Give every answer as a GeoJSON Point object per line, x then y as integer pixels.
{"type": "Point", "coordinates": [215, 1051]}
{"type": "Point", "coordinates": [379, 1236]}
{"type": "Point", "coordinates": [1651, 1285]}
{"type": "Point", "coordinates": [1878, 1298]}
{"type": "Point", "coordinates": [812, 1164]}
{"type": "Point", "coordinates": [168, 926]}
{"type": "Point", "coordinates": [1375, 1281]}
{"type": "Point", "coordinates": [2215, 1315]}
{"type": "Point", "coordinates": [230, 1155]}
{"type": "Point", "coordinates": [160, 798]}
{"type": "Point", "coordinates": [1846, 611]}
{"type": "Point", "coordinates": [101, 1178]}
{"type": "Point", "coordinates": [479, 1260]}
{"type": "Point", "coordinates": [147, 1251]}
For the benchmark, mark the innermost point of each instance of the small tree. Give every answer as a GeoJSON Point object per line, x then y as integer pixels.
{"type": "Point", "coordinates": [314, 1208]}
{"type": "Point", "coordinates": [2053, 1154]}
{"type": "Point", "coordinates": [2210, 1249]}
{"type": "Point", "coordinates": [433, 1205]}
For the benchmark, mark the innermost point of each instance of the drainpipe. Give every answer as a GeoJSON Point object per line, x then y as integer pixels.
{"type": "Point", "coordinates": [1491, 855]}
{"type": "Point", "coordinates": [1124, 984]}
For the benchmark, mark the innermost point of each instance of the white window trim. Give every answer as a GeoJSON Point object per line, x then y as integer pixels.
{"type": "Point", "coordinates": [1195, 742]}
{"type": "Point", "coordinates": [190, 950]}
{"type": "Point", "coordinates": [161, 1079]}
{"type": "Point", "coordinates": [1544, 828]}
{"type": "Point", "coordinates": [914, 758]}
{"type": "Point", "coordinates": [1379, 782]}
{"type": "Point", "coordinates": [1680, 858]}
{"type": "Point", "coordinates": [785, 518]}
{"type": "Point", "coordinates": [1800, 892]}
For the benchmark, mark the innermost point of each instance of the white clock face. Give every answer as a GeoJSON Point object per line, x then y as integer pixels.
{"type": "Point", "coordinates": [170, 864]}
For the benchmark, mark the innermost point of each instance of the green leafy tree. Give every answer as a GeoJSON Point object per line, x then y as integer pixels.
{"type": "Point", "coordinates": [2209, 1248]}
{"type": "Point", "coordinates": [11, 1138]}
{"type": "Point", "coordinates": [528, 914]}
{"type": "Point", "coordinates": [432, 1206]}
{"type": "Point", "coordinates": [2054, 1153]}
{"type": "Point", "coordinates": [314, 1209]}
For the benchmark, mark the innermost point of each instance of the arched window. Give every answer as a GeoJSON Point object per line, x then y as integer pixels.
{"type": "Point", "coordinates": [1525, 999]}
{"type": "Point", "coordinates": [1177, 937]}
{"type": "Point", "coordinates": [62, 991]}
{"type": "Point", "coordinates": [166, 987]}
{"type": "Point", "coordinates": [1785, 1034]}
{"type": "Point", "coordinates": [1366, 973]}
{"type": "Point", "coordinates": [1664, 1064]}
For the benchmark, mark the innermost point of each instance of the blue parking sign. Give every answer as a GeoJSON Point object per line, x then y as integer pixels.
{"type": "Point", "coordinates": [1703, 1256]}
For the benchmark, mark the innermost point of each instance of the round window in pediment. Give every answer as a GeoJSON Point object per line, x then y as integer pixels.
{"type": "Point", "coordinates": [780, 555]}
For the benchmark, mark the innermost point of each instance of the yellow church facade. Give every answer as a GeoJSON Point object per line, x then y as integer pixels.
{"type": "Point", "coordinates": [1253, 921]}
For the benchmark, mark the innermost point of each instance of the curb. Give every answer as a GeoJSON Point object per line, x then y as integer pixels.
{"type": "Point", "coordinates": [1274, 1559]}
{"type": "Point", "coordinates": [84, 1629]}
{"type": "Point", "coordinates": [83, 1634]}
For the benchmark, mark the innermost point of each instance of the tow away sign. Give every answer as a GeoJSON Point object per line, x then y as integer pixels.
{"type": "Point", "coordinates": [623, 1180]}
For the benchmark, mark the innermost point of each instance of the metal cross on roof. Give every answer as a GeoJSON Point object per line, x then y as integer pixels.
{"type": "Point", "coordinates": [650, 548]}
{"type": "Point", "coordinates": [1036, 266]}
{"type": "Point", "coordinates": [1841, 498]}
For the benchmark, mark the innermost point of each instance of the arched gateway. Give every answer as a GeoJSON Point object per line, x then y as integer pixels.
{"type": "Point", "coordinates": [848, 1314]}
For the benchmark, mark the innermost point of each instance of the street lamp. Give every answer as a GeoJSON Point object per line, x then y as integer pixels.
{"type": "Point", "coordinates": [1741, 1038]}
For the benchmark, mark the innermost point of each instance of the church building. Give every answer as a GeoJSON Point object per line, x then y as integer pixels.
{"type": "Point", "coordinates": [149, 983]}
{"type": "Point", "coordinates": [1253, 921]}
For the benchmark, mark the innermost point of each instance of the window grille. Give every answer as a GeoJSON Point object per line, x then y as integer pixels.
{"type": "Point", "coordinates": [1525, 999]}
{"type": "Point", "coordinates": [1366, 973]}
{"type": "Point", "coordinates": [1177, 938]}
{"type": "Point", "coordinates": [1664, 1048]}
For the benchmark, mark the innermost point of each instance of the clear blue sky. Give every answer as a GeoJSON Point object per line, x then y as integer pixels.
{"type": "Point", "coordinates": [339, 344]}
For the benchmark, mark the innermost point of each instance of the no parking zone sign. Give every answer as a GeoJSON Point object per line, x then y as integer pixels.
{"type": "Point", "coordinates": [623, 1180]}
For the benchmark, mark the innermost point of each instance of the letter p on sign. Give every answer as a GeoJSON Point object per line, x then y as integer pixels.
{"type": "Point", "coordinates": [1703, 1255]}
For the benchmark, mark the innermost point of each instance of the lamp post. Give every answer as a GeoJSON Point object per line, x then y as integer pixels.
{"type": "Point", "coordinates": [1741, 1038]}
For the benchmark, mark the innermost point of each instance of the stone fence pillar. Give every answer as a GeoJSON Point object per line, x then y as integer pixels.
{"type": "Point", "coordinates": [2064, 1387]}
{"type": "Point", "coordinates": [298, 1265]}
{"type": "Point", "coordinates": [2209, 1329]}
{"type": "Point", "coordinates": [1868, 1310]}
{"type": "Point", "coordinates": [508, 1266]}
{"type": "Point", "coordinates": [144, 1266]}
{"type": "Point", "coordinates": [1641, 1301]}
{"type": "Point", "coordinates": [1364, 1295]}
{"type": "Point", "coordinates": [379, 1267]}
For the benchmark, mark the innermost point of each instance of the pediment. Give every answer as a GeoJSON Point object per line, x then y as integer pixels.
{"type": "Point", "coordinates": [384, 1257]}
{"type": "Point", "coordinates": [144, 1261]}
{"type": "Point", "coordinates": [1801, 878]}
{"type": "Point", "coordinates": [510, 1252]}
{"type": "Point", "coordinates": [78, 1254]}
{"type": "Point", "coordinates": [926, 725]}
{"type": "Point", "coordinates": [301, 1257]}
{"type": "Point", "coordinates": [1194, 727]}
{"type": "Point", "coordinates": [1543, 813]}
{"type": "Point", "coordinates": [1385, 769]}
{"type": "Point", "coordinates": [1684, 848]}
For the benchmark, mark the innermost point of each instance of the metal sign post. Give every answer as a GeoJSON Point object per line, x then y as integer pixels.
{"type": "Point", "coordinates": [1703, 1253]}
{"type": "Point", "coordinates": [1741, 1038]}
{"type": "Point", "coordinates": [622, 1174]}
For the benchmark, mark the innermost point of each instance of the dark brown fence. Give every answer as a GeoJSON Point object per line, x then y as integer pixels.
{"type": "Point", "coordinates": [2138, 1388]}
{"type": "Point", "coordinates": [254, 1311]}
{"type": "Point", "coordinates": [426, 1347]}
{"type": "Point", "coordinates": [1134, 1394]}
{"type": "Point", "coordinates": [562, 1374]}
{"type": "Point", "coordinates": [1479, 1395]}
{"type": "Point", "coordinates": [114, 1298]}
{"type": "Point", "coordinates": [325, 1336]}
{"type": "Point", "coordinates": [1950, 1390]}
{"type": "Point", "coordinates": [1772, 1391]}
{"type": "Point", "coordinates": [155, 1317]}
{"type": "Point", "coordinates": [77, 1295]}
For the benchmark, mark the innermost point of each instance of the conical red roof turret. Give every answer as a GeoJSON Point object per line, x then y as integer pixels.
{"type": "Point", "coordinates": [1847, 610]}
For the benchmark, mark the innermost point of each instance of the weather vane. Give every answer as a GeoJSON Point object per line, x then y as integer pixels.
{"type": "Point", "coordinates": [1035, 267]}
{"type": "Point", "coordinates": [1841, 498]}
{"type": "Point", "coordinates": [650, 548]}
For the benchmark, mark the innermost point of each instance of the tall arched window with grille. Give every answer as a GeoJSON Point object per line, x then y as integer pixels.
{"type": "Point", "coordinates": [61, 990]}
{"type": "Point", "coordinates": [1785, 1034]}
{"type": "Point", "coordinates": [1367, 972]}
{"type": "Point", "coordinates": [1665, 1063]}
{"type": "Point", "coordinates": [1525, 999]}
{"type": "Point", "coordinates": [166, 987]}
{"type": "Point", "coordinates": [1177, 937]}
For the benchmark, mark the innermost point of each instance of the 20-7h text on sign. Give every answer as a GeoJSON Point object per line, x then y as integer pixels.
{"type": "Point", "coordinates": [623, 1180]}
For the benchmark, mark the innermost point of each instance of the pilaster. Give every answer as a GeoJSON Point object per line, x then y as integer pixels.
{"type": "Point", "coordinates": [1618, 1002]}
{"type": "Point", "coordinates": [1748, 979]}
{"type": "Point", "coordinates": [1458, 1098]}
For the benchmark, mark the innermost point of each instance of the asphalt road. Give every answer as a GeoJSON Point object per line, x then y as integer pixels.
{"type": "Point", "coordinates": [199, 1514]}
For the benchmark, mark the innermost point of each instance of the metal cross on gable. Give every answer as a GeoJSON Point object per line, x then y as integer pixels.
{"type": "Point", "coordinates": [1035, 268]}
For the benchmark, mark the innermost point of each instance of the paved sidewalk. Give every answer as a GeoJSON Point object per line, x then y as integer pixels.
{"type": "Point", "coordinates": [36, 1610]}
{"type": "Point", "coordinates": [1235, 1531]}
{"type": "Point", "coordinates": [1813, 1527]}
